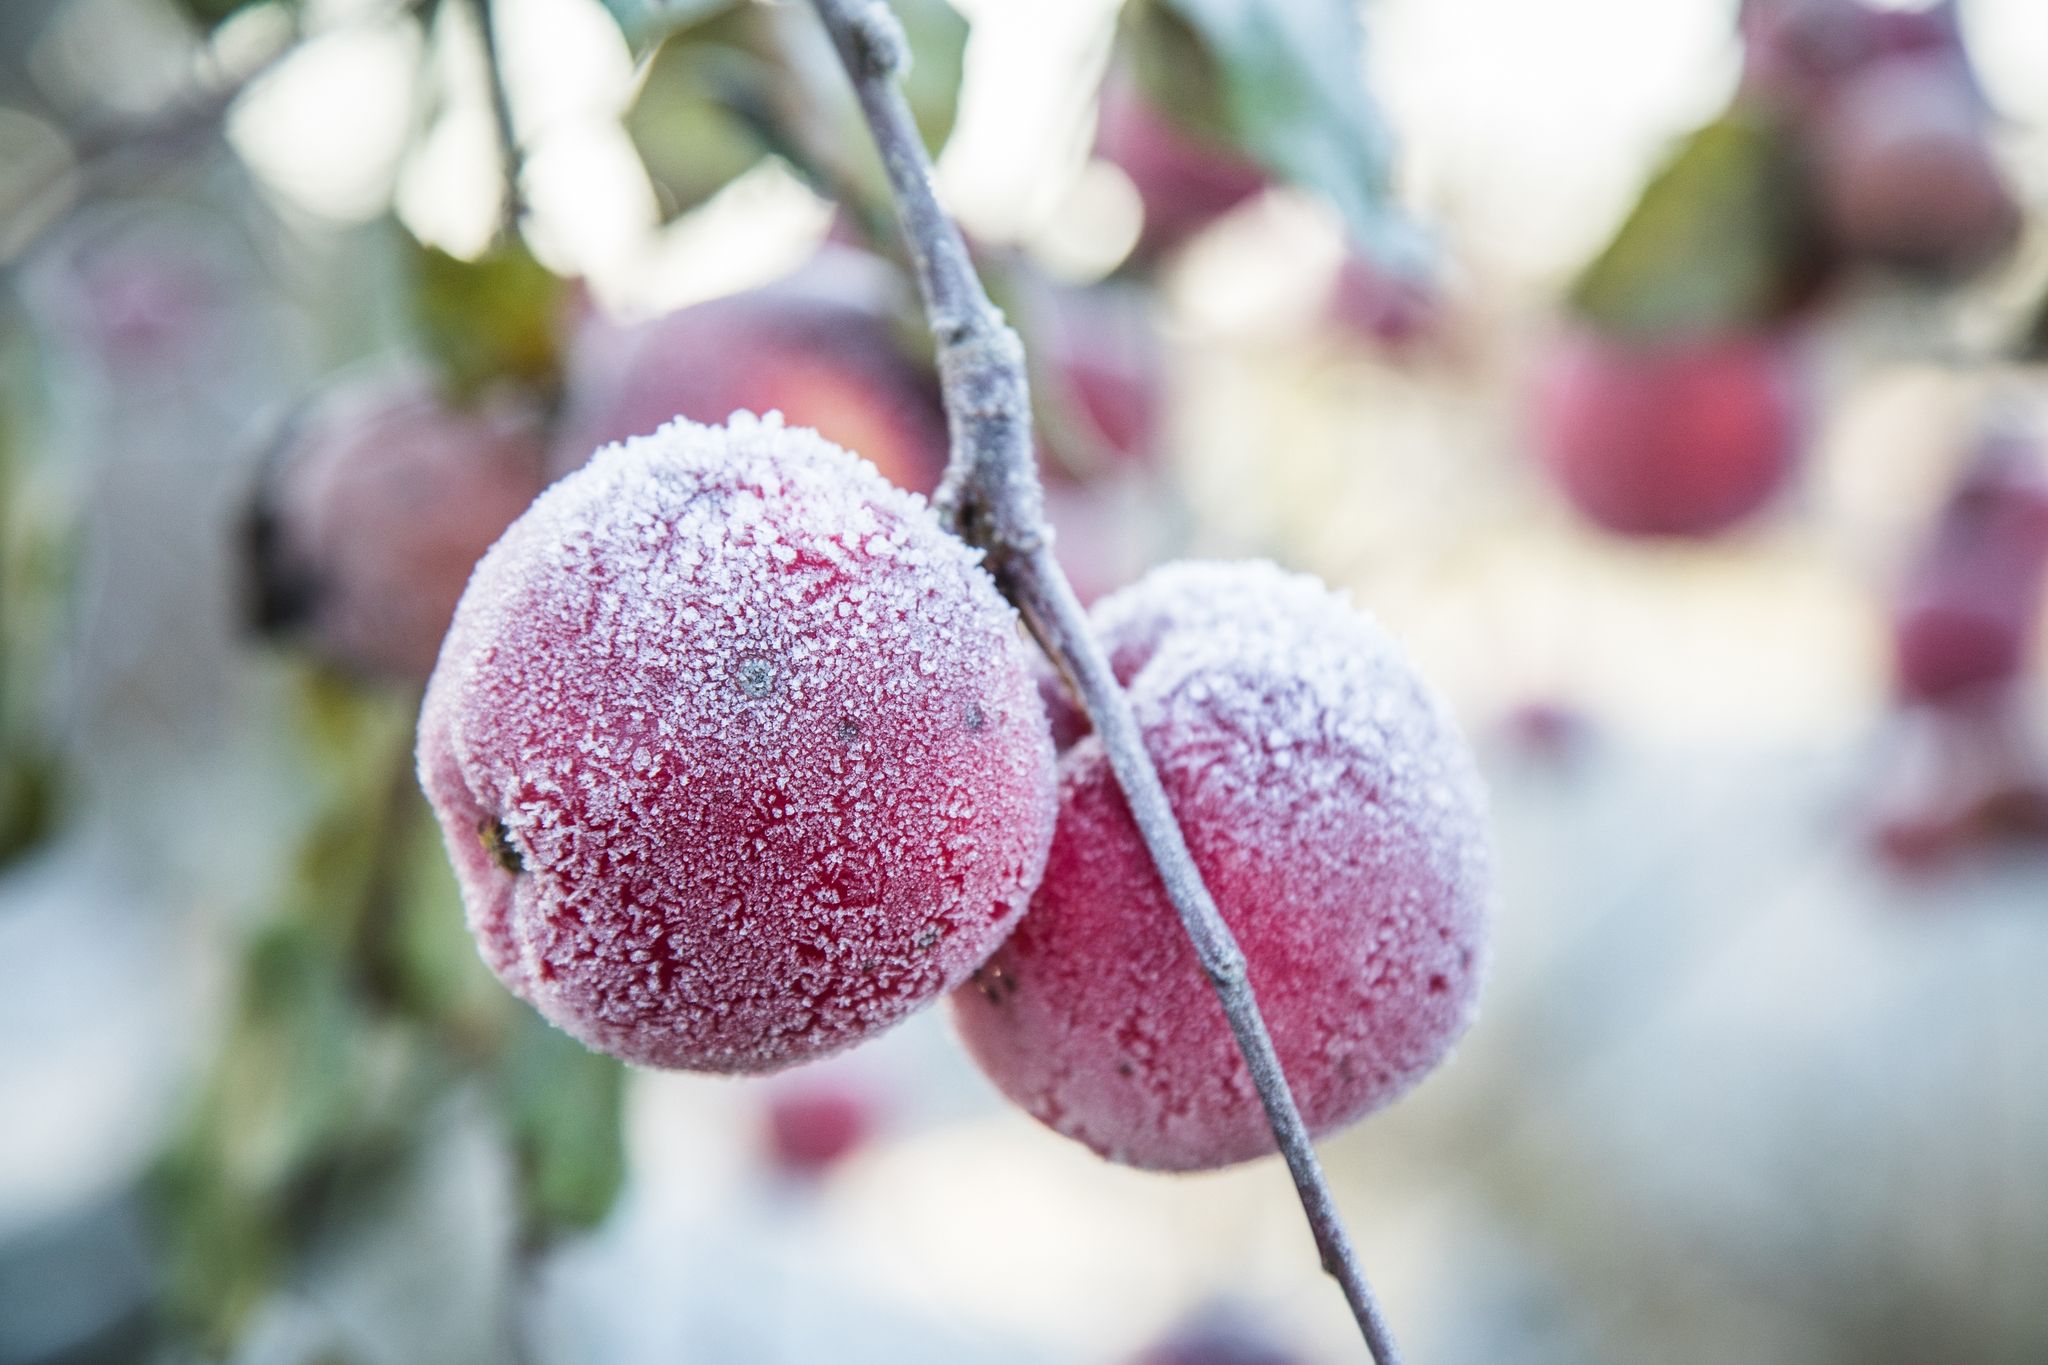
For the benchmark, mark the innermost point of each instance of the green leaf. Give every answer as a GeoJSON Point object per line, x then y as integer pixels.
{"type": "Point", "coordinates": [38, 571]}
{"type": "Point", "coordinates": [564, 1108]}
{"type": "Point", "coordinates": [724, 89]}
{"type": "Point", "coordinates": [704, 103]}
{"type": "Point", "coordinates": [305, 1086]}
{"type": "Point", "coordinates": [497, 317]}
{"type": "Point", "coordinates": [1723, 236]}
{"type": "Point", "coordinates": [207, 15]}
{"type": "Point", "coordinates": [439, 976]}
{"type": "Point", "coordinates": [647, 22]}
{"type": "Point", "coordinates": [30, 795]}
{"type": "Point", "coordinates": [938, 47]}
{"type": "Point", "coordinates": [1284, 84]}
{"type": "Point", "coordinates": [2033, 342]}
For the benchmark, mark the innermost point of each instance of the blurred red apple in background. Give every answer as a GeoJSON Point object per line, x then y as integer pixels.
{"type": "Point", "coordinates": [1183, 182]}
{"type": "Point", "coordinates": [820, 347]}
{"type": "Point", "coordinates": [1969, 610]}
{"type": "Point", "coordinates": [1907, 173]}
{"type": "Point", "coordinates": [812, 1125]}
{"type": "Point", "coordinates": [1679, 436]}
{"type": "Point", "coordinates": [1099, 373]}
{"type": "Point", "coordinates": [378, 503]}
{"type": "Point", "coordinates": [1220, 1334]}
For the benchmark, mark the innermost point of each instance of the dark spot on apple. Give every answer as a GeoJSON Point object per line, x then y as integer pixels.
{"type": "Point", "coordinates": [497, 842]}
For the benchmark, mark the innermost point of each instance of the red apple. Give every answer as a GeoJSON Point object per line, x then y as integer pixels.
{"type": "Point", "coordinates": [821, 348]}
{"type": "Point", "coordinates": [1682, 436]}
{"type": "Point", "coordinates": [1184, 182]}
{"type": "Point", "coordinates": [378, 503]}
{"type": "Point", "coordinates": [813, 1125]}
{"type": "Point", "coordinates": [1099, 369]}
{"type": "Point", "coordinates": [1969, 610]}
{"type": "Point", "coordinates": [1907, 173]}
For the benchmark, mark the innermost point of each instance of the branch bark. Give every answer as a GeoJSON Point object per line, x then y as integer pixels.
{"type": "Point", "coordinates": [511, 151]}
{"type": "Point", "coordinates": [991, 498]}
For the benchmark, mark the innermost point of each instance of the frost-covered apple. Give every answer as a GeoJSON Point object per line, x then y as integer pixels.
{"type": "Point", "coordinates": [736, 753]}
{"type": "Point", "coordinates": [377, 505]}
{"type": "Point", "coordinates": [1336, 817]}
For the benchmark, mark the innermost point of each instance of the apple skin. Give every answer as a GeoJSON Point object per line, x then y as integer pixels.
{"type": "Point", "coordinates": [1670, 438]}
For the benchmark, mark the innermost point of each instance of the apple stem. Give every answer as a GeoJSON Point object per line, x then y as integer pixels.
{"type": "Point", "coordinates": [991, 498]}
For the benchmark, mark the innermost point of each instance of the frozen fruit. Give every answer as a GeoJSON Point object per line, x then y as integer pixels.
{"type": "Point", "coordinates": [737, 754]}
{"type": "Point", "coordinates": [1335, 815]}
{"type": "Point", "coordinates": [819, 347]}
{"type": "Point", "coordinates": [1670, 437]}
{"type": "Point", "coordinates": [378, 503]}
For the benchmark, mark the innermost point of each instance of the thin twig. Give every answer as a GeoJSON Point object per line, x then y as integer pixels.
{"type": "Point", "coordinates": [511, 152]}
{"type": "Point", "coordinates": [991, 498]}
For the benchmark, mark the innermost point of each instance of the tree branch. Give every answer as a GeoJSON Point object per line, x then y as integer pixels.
{"type": "Point", "coordinates": [992, 499]}
{"type": "Point", "coordinates": [511, 153]}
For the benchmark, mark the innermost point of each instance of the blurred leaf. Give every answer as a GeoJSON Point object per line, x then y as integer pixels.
{"type": "Point", "coordinates": [647, 22]}
{"type": "Point", "coordinates": [496, 317]}
{"type": "Point", "coordinates": [314, 1078]}
{"type": "Point", "coordinates": [703, 105]}
{"type": "Point", "coordinates": [564, 1107]}
{"type": "Point", "coordinates": [1285, 84]}
{"type": "Point", "coordinates": [2033, 344]}
{"type": "Point", "coordinates": [37, 571]}
{"type": "Point", "coordinates": [29, 791]}
{"type": "Point", "coordinates": [734, 84]}
{"type": "Point", "coordinates": [305, 1086]}
{"type": "Point", "coordinates": [211, 14]}
{"type": "Point", "coordinates": [1722, 237]}
{"type": "Point", "coordinates": [938, 47]}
